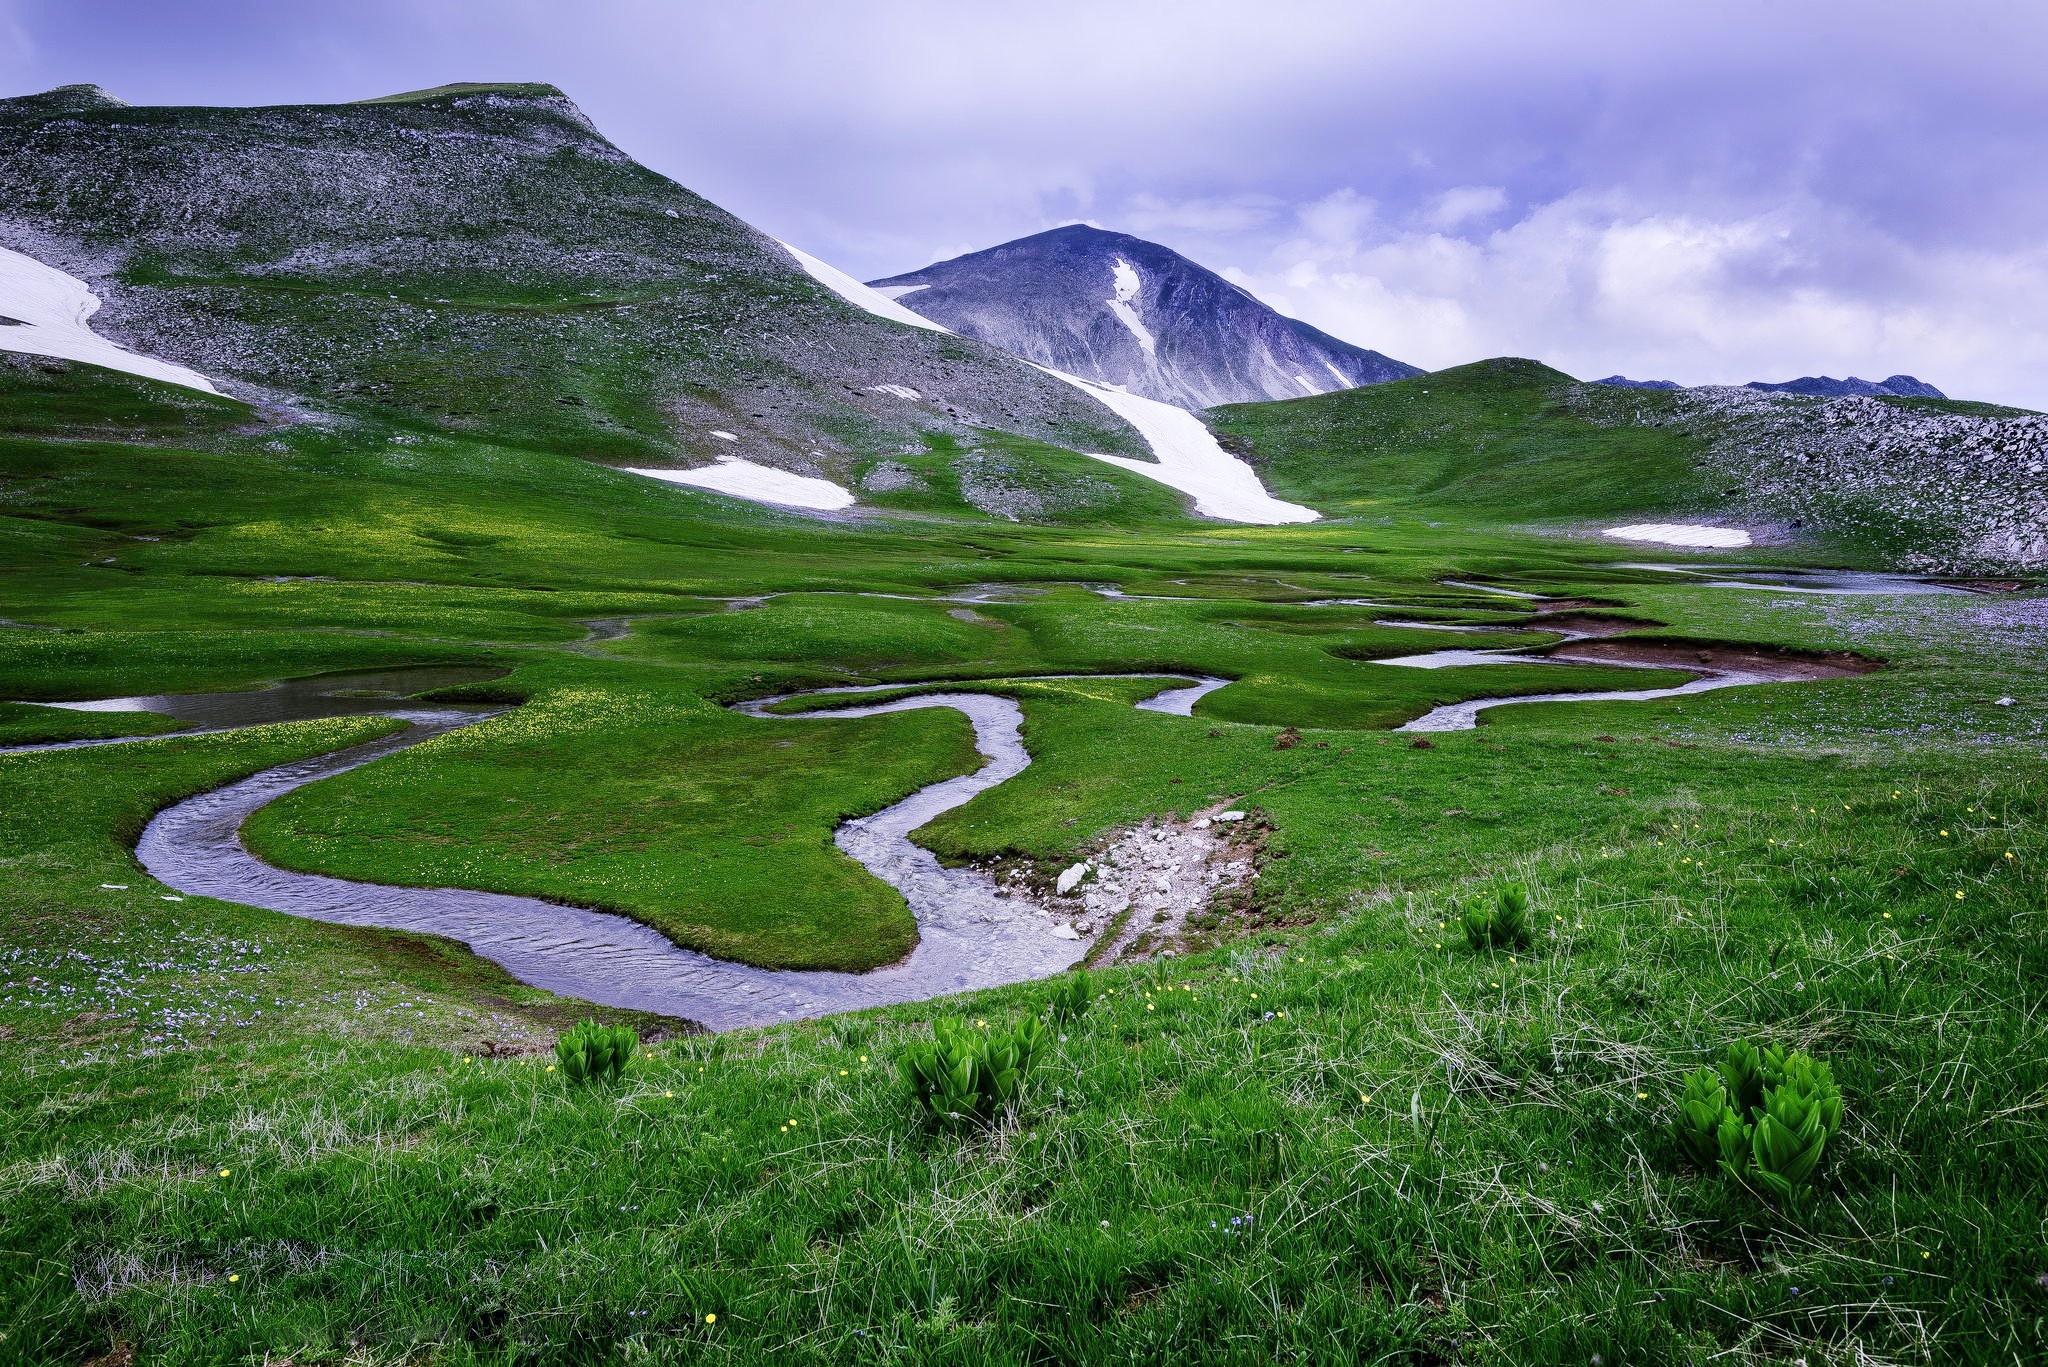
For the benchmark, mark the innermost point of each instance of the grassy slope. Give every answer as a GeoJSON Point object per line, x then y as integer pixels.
{"type": "Point", "coordinates": [1492, 439]}
{"type": "Point", "coordinates": [1442, 1157]}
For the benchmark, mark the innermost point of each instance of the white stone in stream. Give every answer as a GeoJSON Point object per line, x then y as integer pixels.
{"type": "Point", "coordinates": [1230, 816]}
{"type": "Point", "coordinates": [2003, 702]}
{"type": "Point", "coordinates": [1066, 932]}
{"type": "Point", "coordinates": [1070, 879]}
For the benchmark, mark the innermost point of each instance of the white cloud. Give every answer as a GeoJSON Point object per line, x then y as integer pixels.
{"type": "Point", "coordinates": [1594, 284]}
{"type": "Point", "coordinates": [1464, 203]}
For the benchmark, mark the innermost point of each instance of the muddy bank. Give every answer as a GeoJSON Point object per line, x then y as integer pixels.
{"type": "Point", "coordinates": [1579, 623]}
{"type": "Point", "coordinates": [1781, 664]}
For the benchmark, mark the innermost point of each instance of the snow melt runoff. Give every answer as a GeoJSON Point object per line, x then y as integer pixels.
{"type": "Point", "coordinates": [43, 312]}
{"type": "Point", "coordinates": [1186, 451]}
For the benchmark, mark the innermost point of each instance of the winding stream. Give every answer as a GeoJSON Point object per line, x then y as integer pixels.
{"type": "Point", "coordinates": [968, 937]}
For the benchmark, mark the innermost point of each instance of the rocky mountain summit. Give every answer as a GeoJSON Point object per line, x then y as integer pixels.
{"type": "Point", "coordinates": [1123, 311]}
{"type": "Point", "coordinates": [479, 257]}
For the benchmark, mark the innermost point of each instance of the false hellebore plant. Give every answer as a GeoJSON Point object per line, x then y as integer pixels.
{"type": "Point", "coordinates": [1764, 1118]}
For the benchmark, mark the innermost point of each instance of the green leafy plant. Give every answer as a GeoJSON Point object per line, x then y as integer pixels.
{"type": "Point", "coordinates": [967, 1074]}
{"type": "Point", "coordinates": [1071, 998]}
{"type": "Point", "coordinates": [1502, 925]}
{"type": "Point", "coordinates": [595, 1053]}
{"type": "Point", "coordinates": [1764, 1118]}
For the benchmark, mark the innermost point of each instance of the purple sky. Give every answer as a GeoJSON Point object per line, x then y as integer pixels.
{"type": "Point", "coordinates": [1705, 192]}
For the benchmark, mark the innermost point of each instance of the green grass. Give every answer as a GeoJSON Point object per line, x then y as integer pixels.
{"type": "Point", "coordinates": [1509, 438]}
{"type": "Point", "coordinates": [713, 828]}
{"type": "Point", "coordinates": [1431, 1156]}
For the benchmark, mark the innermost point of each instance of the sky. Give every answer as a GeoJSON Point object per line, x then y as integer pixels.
{"type": "Point", "coordinates": [1709, 192]}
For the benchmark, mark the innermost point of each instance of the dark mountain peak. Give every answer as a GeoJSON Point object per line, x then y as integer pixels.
{"type": "Point", "coordinates": [1828, 387]}
{"type": "Point", "coordinates": [65, 99]}
{"type": "Point", "coordinates": [1132, 313]}
{"type": "Point", "coordinates": [1623, 382]}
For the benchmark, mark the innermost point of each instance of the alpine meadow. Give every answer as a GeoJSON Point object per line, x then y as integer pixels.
{"type": "Point", "coordinates": [578, 785]}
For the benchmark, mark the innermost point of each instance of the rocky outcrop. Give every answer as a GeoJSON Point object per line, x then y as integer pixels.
{"type": "Point", "coordinates": [1956, 492]}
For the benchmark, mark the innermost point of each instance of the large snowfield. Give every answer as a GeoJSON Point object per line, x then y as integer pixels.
{"type": "Point", "coordinates": [47, 312]}
{"type": "Point", "coordinates": [1189, 458]}
{"type": "Point", "coordinates": [1680, 534]}
{"type": "Point", "coordinates": [760, 483]}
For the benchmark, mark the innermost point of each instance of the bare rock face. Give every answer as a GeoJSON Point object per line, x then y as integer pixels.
{"type": "Point", "coordinates": [1127, 312]}
{"type": "Point", "coordinates": [481, 258]}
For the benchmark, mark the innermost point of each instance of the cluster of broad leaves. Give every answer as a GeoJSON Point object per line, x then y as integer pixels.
{"type": "Point", "coordinates": [1501, 924]}
{"type": "Point", "coordinates": [1764, 1118]}
{"type": "Point", "coordinates": [595, 1053]}
{"type": "Point", "coordinates": [970, 1074]}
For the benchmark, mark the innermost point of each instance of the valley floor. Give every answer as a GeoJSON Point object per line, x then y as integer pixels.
{"type": "Point", "coordinates": [1324, 1129]}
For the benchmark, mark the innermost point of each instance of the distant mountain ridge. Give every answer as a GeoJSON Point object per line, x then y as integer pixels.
{"type": "Point", "coordinates": [1123, 311]}
{"type": "Point", "coordinates": [1827, 387]}
{"type": "Point", "coordinates": [1820, 386]}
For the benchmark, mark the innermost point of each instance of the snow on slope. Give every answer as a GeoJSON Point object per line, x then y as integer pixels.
{"type": "Point", "coordinates": [46, 312]}
{"type": "Point", "coordinates": [1124, 304]}
{"type": "Point", "coordinates": [1680, 534]}
{"type": "Point", "coordinates": [759, 483]}
{"type": "Point", "coordinates": [1189, 458]}
{"type": "Point", "coordinates": [857, 294]}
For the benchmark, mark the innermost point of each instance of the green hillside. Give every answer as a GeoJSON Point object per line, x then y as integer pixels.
{"type": "Point", "coordinates": [1506, 438]}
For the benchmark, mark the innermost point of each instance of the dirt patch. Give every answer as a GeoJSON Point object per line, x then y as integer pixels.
{"type": "Point", "coordinates": [1771, 662]}
{"type": "Point", "coordinates": [1145, 889]}
{"type": "Point", "coordinates": [1986, 585]}
{"type": "Point", "coordinates": [1588, 623]}
{"type": "Point", "coordinates": [1575, 604]}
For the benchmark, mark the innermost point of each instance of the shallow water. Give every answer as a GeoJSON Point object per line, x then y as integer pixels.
{"type": "Point", "coordinates": [1464, 716]}
{"type": "Point", "coordinates": [362, 693]}
{"type": "Point", "coordinates": [968, 936]}
{"type": "Point", "coordinates": [1778, 579]}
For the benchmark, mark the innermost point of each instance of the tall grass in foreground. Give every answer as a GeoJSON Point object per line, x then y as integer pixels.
{"type": "Point", "coordinates": [1347, 1142]}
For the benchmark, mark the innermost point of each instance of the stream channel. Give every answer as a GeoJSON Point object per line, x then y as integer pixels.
{"type": "Point", "coordinates": [968, 936]}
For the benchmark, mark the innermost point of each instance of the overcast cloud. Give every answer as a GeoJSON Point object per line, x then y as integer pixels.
{"type": "Point", "coordinates": [1702, 192]}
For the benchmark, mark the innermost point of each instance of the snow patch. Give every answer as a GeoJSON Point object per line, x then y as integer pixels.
{"type": "Point", "coordinates": [723, 436]}
{"type": "Point", "coordinates": [1124, 277]}
{"type": "Point", "coordinates": [1342, 381]}
{"type": "Point", "coordinates": [897, 291]}
{"type": "Point", "coordinates": [1305, 383]}
{"type": "Point", "coordinates": [1680, 534]}
{"type": "Point", "coordinates": [760, 483]}
{"type": "Point", "coordinates": [901, 391]}
{"type": "Point", "coordinates": [859, 295]}
{"type": "Point", "coordinates": [50, 309]}
{"type": "Point", "coordinates": [1189, 459]}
